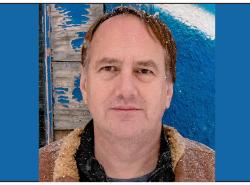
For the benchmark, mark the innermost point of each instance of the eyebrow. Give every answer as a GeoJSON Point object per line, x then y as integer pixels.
{"type": "Point", "coordinates": [107, 60]}
{"type": "Point", "coordinates": [144, 63]}
{"type": "Point", "coordinates": [148, 63]}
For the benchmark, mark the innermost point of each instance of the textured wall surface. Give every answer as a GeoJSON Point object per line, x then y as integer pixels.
{"type": "Point", "coordinates": [192, 109]}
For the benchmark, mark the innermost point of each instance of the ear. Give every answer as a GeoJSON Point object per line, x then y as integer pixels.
{"type": "Point", "coordinates": [169, 94]}
{"type": "Point", "coordinates": [83, 85]}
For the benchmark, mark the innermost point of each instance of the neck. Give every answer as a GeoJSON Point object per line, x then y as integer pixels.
{"type": "Point", "coordinates": [126, 158]}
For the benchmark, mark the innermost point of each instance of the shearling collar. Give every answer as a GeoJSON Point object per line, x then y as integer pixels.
{"type": "Point", "coordinates": [65, 164]}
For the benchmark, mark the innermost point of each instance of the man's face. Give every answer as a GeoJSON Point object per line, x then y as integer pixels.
{"type": "Point", "coordinates": [124, 84]}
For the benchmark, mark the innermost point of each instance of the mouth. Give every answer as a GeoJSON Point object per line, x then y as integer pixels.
{"type": "Point", "coordinates": [126, 108]}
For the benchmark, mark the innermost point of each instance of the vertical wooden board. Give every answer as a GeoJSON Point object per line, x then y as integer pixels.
{"type": "Point", "coordinates": [69, 110]}
{"type": "Point", "coordinates": [69, 23]}
{"type": "Point", "coordinates": [66, 81]}
{"type": "Point", "coordinates": [72, 119]}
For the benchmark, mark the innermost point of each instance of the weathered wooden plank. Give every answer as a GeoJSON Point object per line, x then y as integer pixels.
{"type": "Point", "coordinates": [70, 119]}
{"type": "Point", "coordinates": [66, 81]}
{"type": "Point", "coordinates": [69, 23]}
{"type": "Point", "coordinates": [69, 110]}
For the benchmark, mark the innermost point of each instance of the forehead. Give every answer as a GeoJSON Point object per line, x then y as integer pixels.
{"type": "Point", "coordinates": [127, 25]}
{"type": "Point", "coordinates": [125, 37]}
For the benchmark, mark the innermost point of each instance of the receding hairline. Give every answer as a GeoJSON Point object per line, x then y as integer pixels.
{"type": "Point", "coordinates": [122, 16]}
{"type": "Point", "coordinates": [127, 16]}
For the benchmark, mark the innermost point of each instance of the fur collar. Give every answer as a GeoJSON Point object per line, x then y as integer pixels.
{"type": "Point", "coordinates": [65, 164]}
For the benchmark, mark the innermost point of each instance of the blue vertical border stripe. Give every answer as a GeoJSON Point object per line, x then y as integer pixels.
{"type": "Point", "coordinates": [19, 92]}
{"type": "Point", "coordinates": [232, 92]}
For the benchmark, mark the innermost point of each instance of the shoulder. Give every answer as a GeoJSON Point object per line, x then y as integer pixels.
{"type": "Point", "coordinates": [47, 157]}
{"type": "Point", "coordinates": [58, 154]}
{"type": "Point", "coordinates": [197, 163]}
{"type": "Point", "coordinates": [192, 161]}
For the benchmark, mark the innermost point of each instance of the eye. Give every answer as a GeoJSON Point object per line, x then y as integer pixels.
{"type": "Point", "coordinates": [109, 68]}
{"type": "Point", "coordinates": [144, 71]}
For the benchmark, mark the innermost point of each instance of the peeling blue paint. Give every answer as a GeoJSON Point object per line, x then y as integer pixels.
{"type": "Point", "coordinates": [76, 93]}
{"type": "Point", "coordinates": [61, 89]}
{"type": "Point", "coordinates": [76, 44]}
{"type": "Point", "coordinates": [60, 92]}
{"type": "Point", "coordinates": [76, 13]}
{"type": "Point", "coordinates": [63, 97]}
{"type": "Point", "coordinates": [64, 101]}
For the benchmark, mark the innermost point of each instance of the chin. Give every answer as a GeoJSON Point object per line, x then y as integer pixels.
{"type": "Point", "coordinates": [126, 128]}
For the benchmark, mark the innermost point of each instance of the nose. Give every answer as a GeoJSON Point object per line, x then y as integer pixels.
{"type": "Point", "coordinates": [126, 86]}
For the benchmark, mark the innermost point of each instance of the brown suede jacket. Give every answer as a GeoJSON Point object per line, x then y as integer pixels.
{"type": "Point", "coordinates": [191, 161]}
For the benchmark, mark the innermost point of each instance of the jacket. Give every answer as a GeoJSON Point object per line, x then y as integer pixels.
{"type": "Point", "coordinates": [191, 161]}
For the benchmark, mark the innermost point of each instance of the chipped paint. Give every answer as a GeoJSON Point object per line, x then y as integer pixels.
{"type": "Point", "coordinates": [61, 89]}
{"type": "Point", "coordinates": [62, 99]}
{"type": "Point", "coordinates": [76, 93]}
{"type": "Point", "coordinates": [75, 12]}
{"type": "Point", "coordinates": [69, 110]}
{"type": "Point", "coordinates": [69, 24]}
{"type": "Point", "coordinates": [77, 43]}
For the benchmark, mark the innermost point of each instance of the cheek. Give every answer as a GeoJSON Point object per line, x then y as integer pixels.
{"type": "Point", "coordinates": [156, 99]}
{"type": "Point", "coordinates": [98, 94]}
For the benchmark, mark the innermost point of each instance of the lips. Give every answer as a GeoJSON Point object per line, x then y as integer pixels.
{"type": "Point", "coordinates": [125, 108]}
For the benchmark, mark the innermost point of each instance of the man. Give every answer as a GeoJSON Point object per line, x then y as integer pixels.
{"type": "Point", "coordinates": [128, 71]}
